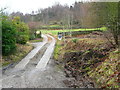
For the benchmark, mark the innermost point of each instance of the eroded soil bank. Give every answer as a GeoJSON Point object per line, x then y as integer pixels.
{"type": "Point", "coordinates": [83, 59]}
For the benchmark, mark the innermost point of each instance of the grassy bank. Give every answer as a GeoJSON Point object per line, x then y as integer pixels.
{"type": "Point", "coordinates": [93, 57]}
{"type": "Point", "coordinates": [21, 52]}
{"type": "Point", "coordinates": [36, 40]}
{"type": "Point", "coordinates": [57, 51]}
{"type": "Point", "coordinates": [107, 74]}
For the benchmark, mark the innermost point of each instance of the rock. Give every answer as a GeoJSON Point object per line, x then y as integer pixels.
{"type": "Point", "coordinates": [67, 82]}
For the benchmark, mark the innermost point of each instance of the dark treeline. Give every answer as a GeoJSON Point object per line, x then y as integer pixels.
{"type": "Point", "coordinates": [84, 15]}
{"type": "Point", "coordinates": [79, 15]}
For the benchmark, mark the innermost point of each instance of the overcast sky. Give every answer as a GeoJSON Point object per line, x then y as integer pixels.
{"type": "Point", "coordinates": [27, 6]}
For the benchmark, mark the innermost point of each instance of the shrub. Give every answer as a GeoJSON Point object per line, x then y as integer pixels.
{"type": "Point", "coordinates": [32, 36]}
{"type": "Point", "coordinates": [22, 39]}
{"type": "Point", "coordinates": [8, 36]}
{"type": "Point", "coordinates": [22, 35]}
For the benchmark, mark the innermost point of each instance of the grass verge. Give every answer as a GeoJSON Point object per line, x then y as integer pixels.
{"type": "Point", "coordinates": [57, 50]}
{"type": "Point", "coordinates": [36, 40]}
{"type": "Point", "coordinates": [21, 52]}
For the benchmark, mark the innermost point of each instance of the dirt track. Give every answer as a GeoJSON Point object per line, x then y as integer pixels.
{"type": "Point", "coordinates": [31, 77]}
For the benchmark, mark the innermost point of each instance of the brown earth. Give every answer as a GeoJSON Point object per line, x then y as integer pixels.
{"type": "Point", "coordinates": [88, 52]}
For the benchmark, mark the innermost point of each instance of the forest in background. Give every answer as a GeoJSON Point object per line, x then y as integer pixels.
{"type": "Point", "coordinates": [79, 15]}
{"type": "Point", "coordinates": [18, 29]}
{"type": "Point", "coordinates": [83, 15]}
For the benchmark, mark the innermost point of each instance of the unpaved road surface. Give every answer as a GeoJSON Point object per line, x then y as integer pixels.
{"type": "Point", "coordinates": [28, 72]}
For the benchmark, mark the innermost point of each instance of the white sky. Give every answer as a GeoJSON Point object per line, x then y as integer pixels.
{"type": "Point", "coordinates": [27, 6]}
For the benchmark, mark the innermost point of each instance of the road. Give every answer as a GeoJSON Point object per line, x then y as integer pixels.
{"type": "Point", "coordinates": [36, 70]}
